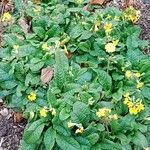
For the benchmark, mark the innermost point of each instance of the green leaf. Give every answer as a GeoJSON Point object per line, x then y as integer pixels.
{"type": "Point", "coordinates": [105, 79]}
{"type": "Point", "coordinates": [135, 56]}
{"type": "Point", "coordinates": [140, 140]}
{"type": "Point", "coordinates": [104, 145]}
{"type": "Point", "coordinates": [4, 75]}
{"type": "Point", "coordinates": [67, 143]}
{"type": "Point", "coordinates": [33, 132]}
{"type": "Point", "coordinates": [19, 5]}
{"type": "Point", "coordinates": [84, 46]}
{"type": "Point", "coordinates": [63, 114]}
{"type": "Point", "coordinates": [93, 138]}
{"type": "Point", "coordinates": [146, 92]}
{"type": "Point", "coordinates": [85, 35]}
{"type": "Point", "coordinates": [81, 113]}
{"type": "Point", "coordinates": [24, 145]}
{"type": "Point", "coordinates": [76, 31]}
{"type": "Point", "coordinates": [61, 68]}
{"type": "Point", "coordinates": [53, 31]}
{"type": "Point", "coordinates": [39, 31]}
{"type": "Point", "coordinates": [49, 138]}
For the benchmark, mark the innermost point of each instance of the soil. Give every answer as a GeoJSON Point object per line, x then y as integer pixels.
{"type": "Point", "coordinates": [11, 132]}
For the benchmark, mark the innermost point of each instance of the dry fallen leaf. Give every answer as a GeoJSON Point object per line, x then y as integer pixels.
{"type": "Point", "coordinates": [18, 117]}
{"type": "Point", "coordinates": [97, 2]}
{"type": "Point", "coordinates": [128, 3]}
{"type": "Point", "coordinates": [25, 24]}
{"type": "Point", "coordinates": [46, 75]}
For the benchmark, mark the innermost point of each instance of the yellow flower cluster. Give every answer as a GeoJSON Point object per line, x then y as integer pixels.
{"type": "Point", "coordinates": [111, 47]}
{"type": "Point", "coordinates": [130, 74]}
{"type": "Point", "coordinates": [108, 27]}
{"type": "Point", "coordinates": [32, 96]}
{"type": "Point", "coordinates": [103, 112]}
{"type": "Point", "coordinates": [132, 15]}
{"type": "Point", "coordinates": [6, 17]}
{"type": "Point", "coordinates": [134, 107]}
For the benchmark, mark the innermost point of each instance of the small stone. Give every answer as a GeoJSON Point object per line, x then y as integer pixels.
{"type": "Point", "coordinates": [4, 112]}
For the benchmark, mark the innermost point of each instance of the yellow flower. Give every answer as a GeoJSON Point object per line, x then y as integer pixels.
{"type": "Point", "coordinates": [116, 18]}
{"type": "Point", "coordinates": [136, 108]}
{"type": "Point", "coordinates": [6, 17]}
{"type": "Point", "coordinates": [126, 95]}
{"type": "Point", "coordinates": [80, 130]}
{"type": "Point", "coordinates": [133, 110]}
{"type": "Point", "coordinates": [45, 46]}
{"type": "Point", "coordinates": [110, 47]}
{"type": "Point", "coordinates": [32, 96]}
{"type": "Point", "coordinates": [147, 148]}
{"type": "Point", "coordinates": [108, 16]}
{"type": "Point", "coordinates": [140, 107]}
{"type": "Point", "coordinates": [139, 85]}
{"type": "Point", "coordinates": [70, 124]}
{"type": "Point", "coordinates": [37, 9]}
{"type": "Point", "coordinates": [126, 100]}
{"type": "Point", "coordinates": [103, 112]}
{"type": "Point", "coordinates": [137, 74]}
{"type": "Point", "coordinates": [43, 112]}
{"type": "Point", "coordinates": [79, 1]}
{"type": "Point", "coordinates": [96, 26]}
{"type": "Point", "coordinates": [128, 73]}
{"type": "Point", "coordinates": [130, 104]}
{"type": "Point", "coordinates": [114, 117]}
{"type": "Point", "coordinates": [53, 112]}
{"type": "Point", "coordinates": [115, 42]}
{"type": "Point", "coordinates": [16, 47]}
{"type": "Point", "coordinates": [108, 27]}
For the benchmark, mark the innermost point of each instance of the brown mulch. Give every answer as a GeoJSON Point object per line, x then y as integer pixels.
{"type": "Point", "coordinates": [11, 132]}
